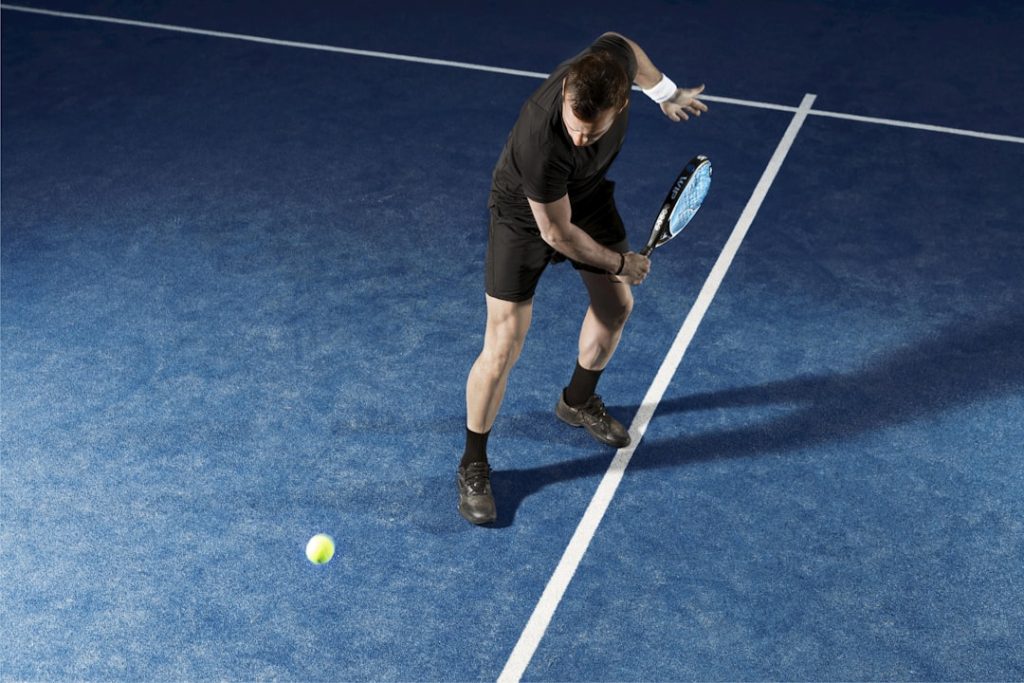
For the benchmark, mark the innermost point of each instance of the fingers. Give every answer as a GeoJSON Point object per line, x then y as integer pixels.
{"type": "Point", "coordinates": [636, 268]}
{"type": "Point", "coordinates": [684, 105]}
{"type": "Point", "coordinates": [695, 106]}
{"type": "Point", "coordinates": [643, 268]}
{"type": "Point", "coordinates": [693, 103]}
{"type": "Point", "coordinates": [673, 111]}
{"type": "Point", "coordinates": [683, 113]}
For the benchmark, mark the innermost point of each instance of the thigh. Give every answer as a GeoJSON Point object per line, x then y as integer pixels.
{"type": "Point", "coordinates": [507, 324]}
{"type": "Point", "coordinates": [610, 299]}
{"type": "Point", "coordinates": [516, 258]}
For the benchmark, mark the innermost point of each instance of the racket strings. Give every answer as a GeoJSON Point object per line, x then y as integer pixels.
{"type": "Point", "coordinates": [690, 200]}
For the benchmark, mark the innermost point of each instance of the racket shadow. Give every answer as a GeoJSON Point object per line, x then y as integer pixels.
{"type": "Point", "coordinates": [958, 366]}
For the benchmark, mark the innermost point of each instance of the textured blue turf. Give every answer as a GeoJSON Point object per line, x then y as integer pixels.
{"type": "Point", "coordinates": [831, 490]}
{"type": "Point", "coordinates": [242, 286]}
{"type": "Point", "coordinates": [904, 60]}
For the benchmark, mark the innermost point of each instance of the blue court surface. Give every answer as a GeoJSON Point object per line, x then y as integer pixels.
{"type": "Point", "coordinates": [242, 286]}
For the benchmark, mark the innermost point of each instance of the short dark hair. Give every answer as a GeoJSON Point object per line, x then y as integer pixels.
{"type": "Point", "coordinates": [596, 82]}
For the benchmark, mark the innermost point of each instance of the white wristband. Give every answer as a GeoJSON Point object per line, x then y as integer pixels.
{"type": "Point", "coordinates": [664, 90]}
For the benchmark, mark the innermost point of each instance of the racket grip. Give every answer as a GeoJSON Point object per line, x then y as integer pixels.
{"type": "Point", "coordinates": [646, 251]}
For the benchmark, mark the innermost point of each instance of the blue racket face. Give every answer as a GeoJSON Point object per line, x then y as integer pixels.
{"type": "Point", "coordinates": [682, 202]}
{"type": "Point", "coordinates": [690, 199]}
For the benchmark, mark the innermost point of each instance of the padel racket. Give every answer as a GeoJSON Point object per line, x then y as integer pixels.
{"type": "Point", "coordinates": [682, 202]}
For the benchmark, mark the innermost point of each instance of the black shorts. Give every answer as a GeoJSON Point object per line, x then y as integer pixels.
{"type": "Point", "coordinates": [517, 256]}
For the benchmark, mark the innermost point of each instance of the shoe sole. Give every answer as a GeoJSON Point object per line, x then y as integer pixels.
{"type": "Point", "coordinates": [474, 522]}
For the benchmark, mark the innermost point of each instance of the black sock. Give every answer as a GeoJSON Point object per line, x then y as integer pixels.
{"type": "Point", "coordinates": [476, 447]}
{"type": "Point", "coordinates": [582, 385]}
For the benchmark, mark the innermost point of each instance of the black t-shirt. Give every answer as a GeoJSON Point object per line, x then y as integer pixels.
{"type": "Point", "coordinates": [541, 162]}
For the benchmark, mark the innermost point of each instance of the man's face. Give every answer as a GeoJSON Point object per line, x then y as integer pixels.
{"type": "Point", "coordinates": [584, 133]}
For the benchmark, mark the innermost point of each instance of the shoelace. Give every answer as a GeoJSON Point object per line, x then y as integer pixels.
{"type": "Point", "coordinates": [595, 407]}
{"type": "Point", "coordinates": [477, 476]}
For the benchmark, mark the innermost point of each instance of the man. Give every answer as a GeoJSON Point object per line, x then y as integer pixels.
{"type": "Point", "coordinates": [550, 202]}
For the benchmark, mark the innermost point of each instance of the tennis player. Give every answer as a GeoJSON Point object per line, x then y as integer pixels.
{"type": "Point", "coordinates": [550, 202]}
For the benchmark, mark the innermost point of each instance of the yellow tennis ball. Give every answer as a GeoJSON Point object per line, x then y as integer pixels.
{"type": "Point", "coordinates": [320, 549]}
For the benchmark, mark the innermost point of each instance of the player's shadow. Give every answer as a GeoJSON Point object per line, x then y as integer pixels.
{"type": "Point", "coordinates": [962, 364]}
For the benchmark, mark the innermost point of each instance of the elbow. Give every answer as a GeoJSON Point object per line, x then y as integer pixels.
{"type": "Point", "coordinates": [550, 238]}
{"type": "Point", "coordinates": [553, 235]}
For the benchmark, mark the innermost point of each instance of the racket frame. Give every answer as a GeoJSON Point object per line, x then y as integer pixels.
{"type": "Point", "coordinates": [659, 233]}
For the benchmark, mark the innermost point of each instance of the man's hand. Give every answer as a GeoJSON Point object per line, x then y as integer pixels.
{"type": "Point", "coordinates": [685, 102]}
{"type": "Point", "coordinates": [635, 269]}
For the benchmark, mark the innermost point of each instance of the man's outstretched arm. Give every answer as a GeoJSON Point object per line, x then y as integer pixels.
{"type": "Point", "coordinates": [677, 104]}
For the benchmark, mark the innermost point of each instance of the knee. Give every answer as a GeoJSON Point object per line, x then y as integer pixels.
{"type": "Point", "coordinates": [499, 356]}
{"type": "Point", "coordinates": [615, 317]}
{"type": "Point", "coordinates": [627, 308]}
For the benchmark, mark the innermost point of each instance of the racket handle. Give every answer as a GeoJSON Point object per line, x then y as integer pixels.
{"type": "Point", "coordinates": [646, 251]}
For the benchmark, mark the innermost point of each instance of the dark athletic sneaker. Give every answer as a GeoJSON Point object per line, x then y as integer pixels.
{"type": "Point", "coordinates": [596, 419]}
{"type": "Point", "coordinates": [476, 503]}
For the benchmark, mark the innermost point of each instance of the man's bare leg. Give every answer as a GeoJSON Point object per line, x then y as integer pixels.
{"type": "Point", "coordinates": [611, 302]}
{"type": "Point", "coordinates": [610, 305]}
{"type": "Point", "coordinates": [507, 325]}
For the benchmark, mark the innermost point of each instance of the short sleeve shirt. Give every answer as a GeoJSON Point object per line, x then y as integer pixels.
{"type": "Point", "coordinates": [539, 160]}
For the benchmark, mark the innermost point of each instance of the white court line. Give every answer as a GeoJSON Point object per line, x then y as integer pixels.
{"type": "Point", "coordinates": [553, 592]}
{"type": "Point", "coordinates": [918, 126]}
{"type": "Point", "coordinates": [491, 69]}
{"type": "Point", "coordinates": [273, 41]}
